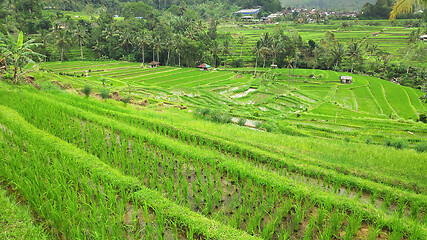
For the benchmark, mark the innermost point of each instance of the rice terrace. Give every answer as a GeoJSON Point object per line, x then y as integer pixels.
{"type": "Point", "coordinates": [213, 120]}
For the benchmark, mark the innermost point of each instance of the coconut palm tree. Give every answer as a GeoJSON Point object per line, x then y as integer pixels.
{"type": "Point", "coordinates": [80, 34]}
{"type": "Point", "coordinates": [226, 48]}
{"type": "Point", "coordinates": [241, 41]}
{"type": "Point", "coordinates": [62, 42]}
{"type": "Point", "coordinates": [126, 41]}
{"type": "Point", "coordinates": [405, 6]}
{"type": "Point", "coordinates": [354, 52]}
{"type": "Point", "coordinates": [142, 40]}
{"type": "Point", "coordinates": [338, 52]}
{"type": "Point", "coordinates": [215, 49]}
{"type": "Point", "coordinates": [179, 43]}
{"type": "Point", "coordinates": [257, 51]}
{"type": "Point", "coordinates": [98, 47]}
{"type": "Point", "coordinates": [289, 59]}
{"type": "Point", "coordinates": [18, 52]}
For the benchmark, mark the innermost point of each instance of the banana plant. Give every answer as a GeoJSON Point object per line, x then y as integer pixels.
{"type": "Point", "coordinates": [18, 52]}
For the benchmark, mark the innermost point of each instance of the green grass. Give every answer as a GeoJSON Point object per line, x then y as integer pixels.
{"type": "Point", "coordinates": [366, 101]}
{"type": "Point", "coordinates": [16, 220]}
{"type": "Point", "coordinates": [399, 100]}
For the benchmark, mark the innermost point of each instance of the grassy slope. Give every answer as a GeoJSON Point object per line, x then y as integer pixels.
{"type": "Point", "coordinates": [376, 159]}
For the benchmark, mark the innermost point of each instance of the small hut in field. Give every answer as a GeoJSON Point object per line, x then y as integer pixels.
{"type": "Point", "coordinates": [154, 64]}
{"type": "Point", "coordinates": [346, 79]}
{"type": "Point", "coordinates": [204, 67]}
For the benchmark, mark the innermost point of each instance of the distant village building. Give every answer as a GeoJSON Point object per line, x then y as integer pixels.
{"type": "Point", "coordinates": [346, 79]}
{"type": "Point", "coordinates": [204, 66]}
{"type": "Point", "coordinates": [275, 15]}
{"type": "Point", "coordinates": [375, 34]}
{"type": "Point", "coordinates": [423, 37]}
{"type": "Point", "coordinates": [248, 18]}
{"type": "Point", "coordinates": [248, 11]}
{"type": "Point", "coordinates": [154, 64]}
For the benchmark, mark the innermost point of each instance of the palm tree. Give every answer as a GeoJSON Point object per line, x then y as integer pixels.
{"type": "Point", "coordinates": [371, 48]}
{"type": "Point", "coordinates": [80, 34]}
{"type": "Point", "coordinates": [274, 47]}
{"type": "Point", "coordinates": [257, 50]}
{"type": "Point", "coordinates": [289, 59]}
{"type": "Point", "coordinates": [98, 48]}
{"type": "Point", "coordinates": [354, 52]}
{"type": "Point", "coordinates": [338, 52]}
{"type": "Point", "coordinates": [126, 40]}
{"type": "Point", "coordinates": [241, 41]}
{"type": "Point", "coordinates": [405, 6]}
{"type": "Point", "coordinates": [142, 40]}
{"type": "Point", "coordinates": [178, 46]}
{"type": "Point", "coordinates": [266, 43]}
{"type": "Point", "coordinates": [226, 49]}
{"type": "Point", "coordinates": [18, 52]}
{"type": "Point", "coordinates": [63, 42]}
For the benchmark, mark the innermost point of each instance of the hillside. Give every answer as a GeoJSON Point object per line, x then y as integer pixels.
{"type": "Point", "coordinates": [162, 168]}
{"type": "Point", "coordinates": [327, 4]}
{"type": "Point", "coordinates": [327, 108]}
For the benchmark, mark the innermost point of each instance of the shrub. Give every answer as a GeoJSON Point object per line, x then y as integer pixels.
{"type": "Point", "coordinates": [105, 93]}
{"type": "Point", "coordinates": [49, 87]}
{"type": "Point", "coordinates": [226, 118]}
{"type": "Point", "coordinates": [421, 147]}
{"type": "Point", "coordinates": [87, 90]}
{"type": "Point", "coordinates": [241, 122]}
{"type": "Point", "coordinates": [396, 143]}
{"type": "Point", "coordinates": [215, 115]}
{"type": "Point", "coordinates": [258, 124]}
{"type": "Point", "coordinates": [311, 75]}
{"type": "Point", "coordinates": [267, 127]}
{"type": "Point", "coordinates": [237, 63]}
{"type": "Point", "coordinates": [368, 140]}
{"type": "Point", "coordinates": [423, 118]}
{"type": "Point", "coordinates": [205, 111]}
{"type": "Point", "coordinates": [319, 76]}
{"type": "Point", "coordinates": [7, 76]}
{"type": "Point", "coordinates": [126, 99]}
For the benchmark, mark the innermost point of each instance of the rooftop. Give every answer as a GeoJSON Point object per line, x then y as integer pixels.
{"type": "Point", "coordinates": [247, 11]}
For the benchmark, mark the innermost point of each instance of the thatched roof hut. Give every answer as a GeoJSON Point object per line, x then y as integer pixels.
{"type": "Point", "coordinates": [154, 64]}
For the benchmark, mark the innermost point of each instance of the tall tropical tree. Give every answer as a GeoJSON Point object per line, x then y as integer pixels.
{"type": "Point", "coordinates": [62, 42]}
{"type": "Point", "coordinates": [289, 59]}
{"type": "Point", "coordinates": [405, 6]}
{"type": "Point", "coordinates": [126, 40]}
{"type": "Point", "coordinates": [18, 52]}
{"type": "Point", "coordinates": [98, 47]}
{"type": "Point", "coordinates": [354, 52]}
{"type": "Point", "coordinates": [141, 40]}
{"type": "Point", "coordinates": [241, 41]}
{"type": "Point", "coordinates": [215, 48]}
{"type": "Point", "coordinates": [226, 48]}
{"type": "Point", "coordinates": [179, 43]}
{"type": "Point", "coordinates": [80, 34]}
{"type": "Point", "coordinates": [257, 51]}
{"type": "Point", "coordinates": [338, 52]}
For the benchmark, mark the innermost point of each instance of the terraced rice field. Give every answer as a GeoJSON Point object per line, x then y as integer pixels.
{"type": "Point", "coordinates": [242, 96]}
{"type": "Point", "coordinates": [390, 39]}
{"type": "Point", "coordinates": [94, 169]}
